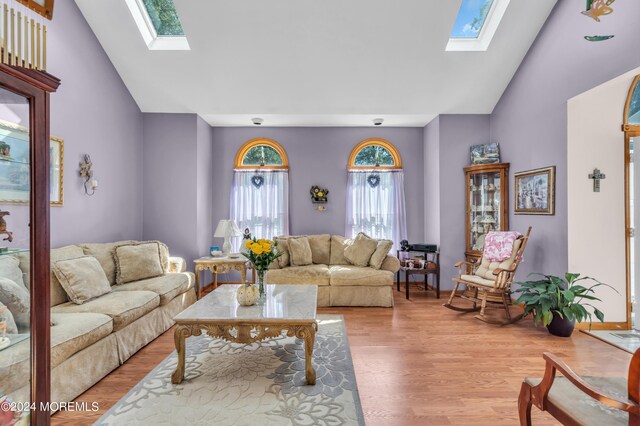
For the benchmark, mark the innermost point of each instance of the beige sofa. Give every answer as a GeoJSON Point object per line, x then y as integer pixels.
{"type": "Point", "coordinates": [339, 282]}
{"type": "Point", "coordinates": [90, 340]}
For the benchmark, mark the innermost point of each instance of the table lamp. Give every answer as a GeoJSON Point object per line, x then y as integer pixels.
{"type": "Point", "coordinates": [226, 229]}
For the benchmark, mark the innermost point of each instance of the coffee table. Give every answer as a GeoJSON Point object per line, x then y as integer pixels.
{"type": "Point", "coordinates": [290, 308]}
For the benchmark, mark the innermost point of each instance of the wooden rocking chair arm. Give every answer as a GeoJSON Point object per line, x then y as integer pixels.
{"type": "Point", "coordinates": [555, 363]}
{"type": "Point", "coordinates": [498, 271]}
{"type": "Point", "coordinates": [464, 263]}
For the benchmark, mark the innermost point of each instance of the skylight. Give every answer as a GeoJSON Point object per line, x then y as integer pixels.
{"type": "Point", "coordinates": [159, 24]}
{"type": "Point", "coordinates": [476, 24]}
{"type": "Point", "coordinates": [471, 18]}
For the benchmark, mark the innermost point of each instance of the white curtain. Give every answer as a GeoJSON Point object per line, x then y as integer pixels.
{"type": "Point", "coordinates": [260, 202]}
{"type": "Point", "coordinates": [375, 205]}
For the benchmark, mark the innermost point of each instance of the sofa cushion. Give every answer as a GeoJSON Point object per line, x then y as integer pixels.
{"type": "Point", "coordinates": [166, 286]}
{"type": "Point", "coordinates": [7, 316]}
{"type": "Point", "coordinates": [74, 332]}
{"type": "Point", "coordinates": [349, 275]}
{"type": "Point", "coordinates": [310, 274]}
{"type": "Point", "coordinates": [378, 256]}
{"type": "Point", "coordinates": [283, 247]}
{"type": "Point", "coordinates": [58, 295]}
{"type": "Point", "coordinates": [137, 262]}
{"type": "Point", "coordinates": [10, 268]}
{"type": "Point", "coordinates": [338, 244]}
{"type": "Point", "coordinates": [123, 308]}
{"type": "Point", "coordinates": [83, 278]}
{"type": "Point", "coordinates": [16, 298]}
{"type": "Point", "coordinates": [478, 280]}
{"type": "Point", "coordinates": [300, 251]}
{"type": "Point", "coordinates": [320, 248]}
{"type": "Point", "coordinates": [391, 263]}
{"type": "Point", "coordinates": [104, 253]}
{"type": "Point", "coordinates": [360, 251]}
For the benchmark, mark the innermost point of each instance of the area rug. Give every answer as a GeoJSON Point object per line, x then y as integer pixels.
{"type": "Point", "coordinates": [255, 384]}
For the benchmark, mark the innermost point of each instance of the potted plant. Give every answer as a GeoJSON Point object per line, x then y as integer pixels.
{"type": "Point", "coordinates": [261, 253]}
{"type": "Point", "coordinates": [558, 303]}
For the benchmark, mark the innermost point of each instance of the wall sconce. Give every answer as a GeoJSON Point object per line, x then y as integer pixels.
{"type": "Point", "coordinates": [86, 172]}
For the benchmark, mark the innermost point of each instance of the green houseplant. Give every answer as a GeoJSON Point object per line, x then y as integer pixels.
{"type": "Point", "coordinates": [558, 303]}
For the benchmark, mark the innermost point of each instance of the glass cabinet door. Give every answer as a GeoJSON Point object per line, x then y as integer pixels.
{"type": "Point", "coordinates": [15, 310]}
{"type": "Point", "coordinates": [484, 207]}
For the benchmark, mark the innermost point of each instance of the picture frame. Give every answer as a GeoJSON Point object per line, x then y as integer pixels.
{"type": "Point", "coordinates": [535, 191]}
{"type": "Point", "coordinates": [15, 167]}
{"type": "Point", "coordinates": [488, 153]}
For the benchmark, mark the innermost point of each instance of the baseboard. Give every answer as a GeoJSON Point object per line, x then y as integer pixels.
{"type": "Point", "coordinates": [603, 326]}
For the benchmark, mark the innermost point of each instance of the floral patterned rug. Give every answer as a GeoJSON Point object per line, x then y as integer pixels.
{"type": "Point", "coordinates": [256, 384]}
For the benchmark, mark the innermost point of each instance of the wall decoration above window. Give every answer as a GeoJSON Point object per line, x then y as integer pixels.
{"type": "Point", "coordinates": [598, 8]}
{"type": "Point", "coordinates": [14, 165]}
{"type": "Point", "coordinates": [261, 153]}
{"type": "Point", "coordinates": [257, 181]}
{"type": "Point", "coordinates": [535, 191]}
{"type": "Point", "coordinates": [318, 195]}
{"type": "Point", "coordinates": [374, 153]}
{"type": "Point", "coordinates": [373, 180]}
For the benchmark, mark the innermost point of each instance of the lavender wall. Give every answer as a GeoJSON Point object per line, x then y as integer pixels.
{"type": "Point", "coordinates": [94, 113]}
{"type": "Point", "coordinates": [319, 156]}
{"type": "Point", "coordinates": [431, 159]}
{"type": "Point", "coordinates": [205, 163]}
{"type": "Point", "coordinates": [530, 120]}
{"type": "Point", "coordinates": [170, 175]}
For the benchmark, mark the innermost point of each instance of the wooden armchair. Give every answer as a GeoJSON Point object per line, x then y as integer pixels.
{"type": "Point", "coordinates": [575, 400]}
{"type": "Point", "coordinates": [488, 284]}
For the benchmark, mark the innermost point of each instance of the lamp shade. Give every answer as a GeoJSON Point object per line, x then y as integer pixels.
{"type": "Point", "coordinates": [227, 228]}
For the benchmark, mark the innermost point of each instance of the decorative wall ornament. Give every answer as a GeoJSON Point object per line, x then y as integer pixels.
{"type": "Point", "coordinates": [595, 10]}
{"type": "Point", "coordinates": [598, 38]}
{"type": "Point", "coordinates": [485, 154]}
{"type": "Point", "coordinates": [257, 181]}
{"type": "Point", "coordinates": [373, 180]}
{"type": "Point", "coordinates": [318, 195]}
{"type": "Point", "coordinates": [86, 172]}
{"type": "Point", "coordinates": [596, 176]}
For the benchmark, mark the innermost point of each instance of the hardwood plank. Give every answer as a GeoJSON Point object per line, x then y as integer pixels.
{"type": "Point", "coordinates": [418, 363]}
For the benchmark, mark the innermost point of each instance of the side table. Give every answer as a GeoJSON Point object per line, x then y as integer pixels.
{"type": "Point", "coordinates": [219, 265]}
{"type": "Point", "coordinates": [432, 267]}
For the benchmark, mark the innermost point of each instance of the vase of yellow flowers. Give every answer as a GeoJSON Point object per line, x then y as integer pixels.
{"type": "Point", "coordinates": [261, 253]}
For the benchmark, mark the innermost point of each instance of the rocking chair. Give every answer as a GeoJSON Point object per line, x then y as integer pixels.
{"type": "Point", "coordinates": [488, 284]}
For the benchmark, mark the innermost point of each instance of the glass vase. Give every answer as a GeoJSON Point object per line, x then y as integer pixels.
{"type": "Point", "coordinates": [260, 273]}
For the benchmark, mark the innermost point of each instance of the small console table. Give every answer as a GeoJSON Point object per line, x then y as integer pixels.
{"type": "Point", "coordinates": [431, 267]}
{"type": "Point", "coordinates": [219, 265]}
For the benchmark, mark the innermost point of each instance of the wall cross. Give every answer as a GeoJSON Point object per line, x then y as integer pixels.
{"type": "Point", "coordinates": [597, 176]}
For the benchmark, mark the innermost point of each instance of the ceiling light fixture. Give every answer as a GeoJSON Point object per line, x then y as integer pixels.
{"type": "Point", "coordinates": [257, 121]}
{"type": "Point", "coordinates": [378, 121]}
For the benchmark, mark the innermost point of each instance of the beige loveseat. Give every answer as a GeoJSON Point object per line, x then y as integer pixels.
{"type": "Point", "coordinates": [90, 340]}
{"type": "Point", "coordinates": [339, 282]}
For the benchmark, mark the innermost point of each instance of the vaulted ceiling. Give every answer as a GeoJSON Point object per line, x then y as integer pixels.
{"type": "Point", "coordinates": [316, 63]}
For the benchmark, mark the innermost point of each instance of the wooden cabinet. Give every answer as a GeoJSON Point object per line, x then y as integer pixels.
{"type": "Point", "coordinates": [487, 187]}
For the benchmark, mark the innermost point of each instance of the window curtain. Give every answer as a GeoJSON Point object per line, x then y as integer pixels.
{"type": "Point", "coordinates": [260, 202]}
{"type": "Point", "coordinates": [376, 206]}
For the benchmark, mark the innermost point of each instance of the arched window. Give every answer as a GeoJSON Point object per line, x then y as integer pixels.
{"type": "Point", "coordinates": [632, 107]}
{"type": "Point", "coordinates": [261, 152]}
{"type": "Point", "coordinates": [260, 192]}
{"type": "Point", "coordinates": [375, 192]}
{"type": "Point", "coordinates": [375, 153]}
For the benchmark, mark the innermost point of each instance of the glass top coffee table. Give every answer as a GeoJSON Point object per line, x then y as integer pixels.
{"type": "Point", "coordinates": [290, 308]}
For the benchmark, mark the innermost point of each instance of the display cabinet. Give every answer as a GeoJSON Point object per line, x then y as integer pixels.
{"type": "Point", "coordinates": [487, 187]}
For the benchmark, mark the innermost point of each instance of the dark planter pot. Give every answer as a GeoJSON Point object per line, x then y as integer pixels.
{"type": "Point", "coordinates": [561, 327]}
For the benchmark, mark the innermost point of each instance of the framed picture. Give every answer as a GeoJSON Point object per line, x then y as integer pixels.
{"type": "Point", "coordinates": [485, 154]}
{"type": "Point", "coordinates": [536, 191]}
{"type": "Point", "coordinates": [14, 166]}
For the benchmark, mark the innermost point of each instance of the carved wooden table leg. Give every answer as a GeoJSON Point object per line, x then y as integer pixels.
{"type": "Point", "coordinates": [308, 333]}
{"type": "Point", "coordinates": [179, 337]}
{"type": "Point", "coordinates": [198, 284]}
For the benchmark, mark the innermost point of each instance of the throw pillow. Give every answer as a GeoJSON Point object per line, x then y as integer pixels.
{"type": "Point", "coordinates": [283, 246]}
{"type": "Point", "coordinates": [16, 298]}
{"type": "Point", "coordinates": [10, 269]}
{"type": "Point", "coordinates": [382, 250]}
{"type": "Point", "coordinates": [320, 248]}
{"type": "Point", "coordinates": [7, 317]}
{"type": "Point", "coordinates": [359, 253]}
{"type": "Point", "coordinates": [300, 251]}
{"type": "Point", "coordinates": [137, 262]}
{"type": "Point", "coordinates": [338, 244]}
{"type": "Point", "coordinates": [83, 278]}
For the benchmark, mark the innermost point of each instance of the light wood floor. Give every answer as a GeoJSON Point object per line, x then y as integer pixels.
{"type": "Point", "coordinates": [418, 364]}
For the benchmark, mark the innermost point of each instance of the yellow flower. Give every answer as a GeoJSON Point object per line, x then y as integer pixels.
{"type": "Point", "coordinates": [256, 249]}
{"type": "Point", "coordinates": [248, 244]}
{"type": "Point", "coordinates": [262, 241]}
{"type": "Point", "coordinates": [320, 194]}
{"type": "Point", "coordinates": [266, 247]}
